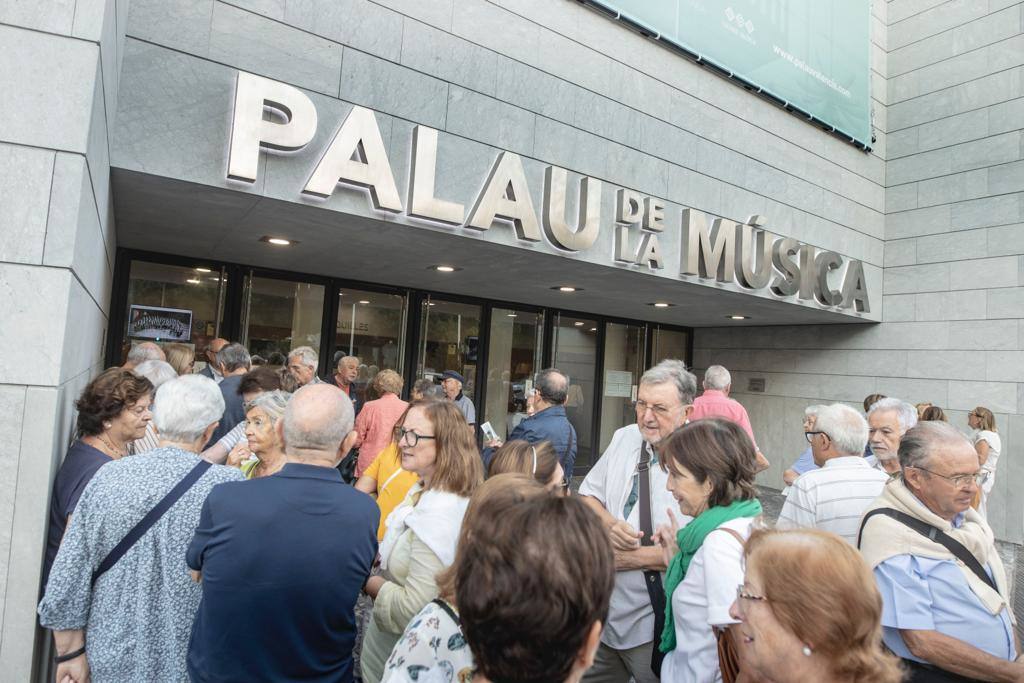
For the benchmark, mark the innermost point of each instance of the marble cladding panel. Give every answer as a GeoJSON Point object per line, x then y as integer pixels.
{"type": "Point", "coordinates": [1005, 366]}
{"type": "Point", "coordinates": [437, 13]}
{"type": "Point", "coordinates": [982, 92]}
{"type": "Point", "coordinates": [360, 24]}
{"type": "Point", "coordinates": [450, 58]}
{"type": "Point", "coordinates": [1005, 303]}
{"type": "Point", "coordinates": [393, 89]}
{"type": "Point", "coordinates": [490, 121]}
{"type": "Point", "coordinates": [32, 299]}
{"type": "Point", "coordinates": [179, 24]}
{"type": "Point", "coordinates": [25, 176]}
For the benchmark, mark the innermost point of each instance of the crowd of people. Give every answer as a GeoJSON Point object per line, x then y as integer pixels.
{"type": "Point", "coordinates": [202, 529]}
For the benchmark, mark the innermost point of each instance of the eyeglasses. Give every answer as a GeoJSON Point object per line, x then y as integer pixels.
{"type": "Point", "coordinates": [742, 594]}
{"type": "Point", "coordinates": [810, 435]}
{"type": "Point", "coordinates": [565, 486]}
{"type": "Point", "coordinates": [659, 410]}
{"type": "Point", "coordinates": [961, 480]}
{"type": "Point", "coordinates": [409, 435]}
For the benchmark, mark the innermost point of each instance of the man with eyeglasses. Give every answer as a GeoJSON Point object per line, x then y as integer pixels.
{"type": "Point", "coordinates": [834, 497]}
{"type": "Point", "coordinates": [945, 598]}
{"type": "Point", "coordinates": [628, 491]}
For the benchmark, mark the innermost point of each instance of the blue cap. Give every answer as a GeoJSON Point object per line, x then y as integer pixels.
{"type": "Point", "coordinates": [451, 374]}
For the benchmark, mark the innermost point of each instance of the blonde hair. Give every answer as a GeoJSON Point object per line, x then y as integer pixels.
{"type": "Point", "coordinates": [179, 356]}
{"type": "Point", "coordinates": [388, 381]}
{"type": "Point", "coordinates": [486, 509]}
{"type": "Point", "coordinates": [986, 420]}
{"type": "Point", "coordinates": [842, 622]}
{"type": "Point", "coordinates": [457, 466]}
{"type": "Point", "coordinates": [536, 460]}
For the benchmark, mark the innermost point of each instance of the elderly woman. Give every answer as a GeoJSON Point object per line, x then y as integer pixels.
{"type": "Point", "coordinates": [157, 372]}
{"type": "Point", "coordinates": [262, 452]}
{"type": "Point", "coordinates": [836, 636]}
{"type": "Point", "coordinates": [126, 615]}
{"type": "Point", "coordinates": [113, 412]}
{"type": "Point", "coordinates": [181, 357]}
{"type": "Point", "coordinates": [438, 622]}
{"type": "Point", "coordinates": [423, 530]}
{"type": "Point", "coordinates": [375, 424]}
{"type": "Point", "coordinates": [254, 383]}
{"type": "Point", "coordinates": [711, 465]}
{"type": "Point", "coordinates": [805, 463]}
{"type": "Point", "coordinates": [537, 460]}
{"type": "Point", "coordinates": [988, 444]}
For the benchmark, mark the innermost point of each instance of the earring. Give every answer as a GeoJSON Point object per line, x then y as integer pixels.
{"type": "Point", "coordinates": [807, 651]}
{"type": "Point", "coordinates": [107, 425]}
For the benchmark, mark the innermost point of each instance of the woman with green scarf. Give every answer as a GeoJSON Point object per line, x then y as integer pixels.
{"type": "Point", "coordinates": [711, 465]}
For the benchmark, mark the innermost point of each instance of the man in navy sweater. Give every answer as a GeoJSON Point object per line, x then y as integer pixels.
{"type": "Point", "coordinates": [282, 559]}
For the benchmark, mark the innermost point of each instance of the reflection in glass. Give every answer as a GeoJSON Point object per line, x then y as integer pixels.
{"type": "Point", "coordinates": [281, 315]}
{"type": "Point", "coordinates": [449, 340]}
{"type": "Point", "coordinates": [575, 354]}
{"type": "Point", "coordinates": [370, 326]}
{"type": "Point", "coordinates": [513, 358]}
{"type": "Point", "coordinates": [623, 365]}
{"type": "Point", "coordinates": [668, 343]}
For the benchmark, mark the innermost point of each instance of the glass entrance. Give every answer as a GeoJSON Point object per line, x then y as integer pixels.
{"type": "Point", "coordinates": [668, 343]}
{"type": "Point", "coordinates": [280, 315]}
{"type": "Point", "coordinates": [575, 354]}
{"type": "Point", "coordinates": [513, 357]}
{"type": "Point", "coordinates": [449, 339]}
{"type": "Point", "coordinates": [621, 369]}
{"type": "Point", "coordinates": [371, 327]}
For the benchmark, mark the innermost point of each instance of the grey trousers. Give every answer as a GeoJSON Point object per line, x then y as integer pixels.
{"type": "Point", "coordinates": [617, 666]}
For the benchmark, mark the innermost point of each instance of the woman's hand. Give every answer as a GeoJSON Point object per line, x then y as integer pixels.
{"type": "Point", "coordinates": [239, 454]}
{"type": "Point", "coordinates": [665, 536]}
{"type": "Point", "coordinates": [372, 585]}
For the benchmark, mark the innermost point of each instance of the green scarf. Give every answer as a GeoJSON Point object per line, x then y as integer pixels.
{"type": "Point", "coordinates": [690, 538]}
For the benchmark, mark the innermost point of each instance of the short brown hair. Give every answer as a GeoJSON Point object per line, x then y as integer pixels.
{"type": "Point", "coordinates": [933, 414]}
{"type": "Point", "coordinates": [388, 381]}
{"type": "Point", "coordinates": [872, 399]}
{"type": "Point", "coordinates": [986, 420]}
{"type": "Point", "coordinates": [842, 622]}
{"type": "Point", "coordinates": [106, 397]}
{"type": "Point", "coordinates": [718, 450]}
{"type": "Point", "coordinates": [457, 467]}
{"type": "Point", "coordinates": [529, 593]}
{"type": "Point", "coordinates": [518, 456]}
{"type": "Point", "coordinates": [261, 378]}
{"type": "Point", "coordinates": [487, 508]}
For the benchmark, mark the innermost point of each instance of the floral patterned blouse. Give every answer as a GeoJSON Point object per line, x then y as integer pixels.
{"type": "Point", "coordinates": [431, 650]}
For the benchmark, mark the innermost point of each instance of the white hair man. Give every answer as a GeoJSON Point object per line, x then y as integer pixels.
{"type": "Point", "coordinates": [211, 369]}
{"type": "Point", "coordinates": [628, 491]}
{"type": "Point", "coordinates": [715, 402]}
{"type": "Point", "coordinates": [139, 599]}
{"type": "Point", "coordinates": [945, 598]}
{"type": "Point", "coordinates": [140, 353]}
{"type": "Point", "coordinates": [302, 363]}
{"type": "Point", "coordinates": [834, 497]}
{"type": "Point", "coordinates": [346, 372]}
{"type": "Point", "coordinates": [888, 420]}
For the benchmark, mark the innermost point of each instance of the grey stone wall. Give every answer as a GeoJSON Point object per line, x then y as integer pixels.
{"type": "Point", "coordinates": [953, 332]}
{"type": "Point", "coordinates": [59, 74]}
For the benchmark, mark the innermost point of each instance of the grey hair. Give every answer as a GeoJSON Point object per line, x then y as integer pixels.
{"type": "Point", "coordinates": [717, 377]}
{"type": "Point", "coordinates": [234, 356]}
{"type": "Point", "coordinates": [423, 386]}
{"type": "Point", "coordinates": [326, 434]}
{"type": "Point", "coordinates": [273, 403]}
{"type": "Point", "coordinates": [813, 410]}
{"type": "Point", "coordinates": [156, 371]}
{"type": "Point", "coordinates": [906, 414]}
{"type": "Point", "coordinates": [306, 354]}
{"type": "Point", "coordinates": [674, 371]}
{"type": "Point", "coordinates": [845, 426]}
{"type": "Point", "coordinates": [346, 359]}
{"type": "Point", "coordinates": [918, 444]}
{"type": "Point", "coordinates": [145, 351]}
{"type": "Point", "coordinates": [186, 406]}
{"type": "Point", "coordinates": [553, 386]}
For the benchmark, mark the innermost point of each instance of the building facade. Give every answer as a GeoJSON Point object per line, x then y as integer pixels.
{"type": "Point", "coordinates": [530, 146]}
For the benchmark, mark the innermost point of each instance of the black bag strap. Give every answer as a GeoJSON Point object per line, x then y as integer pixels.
{"type": "Point", "coordinates": [443, 604]}
{"type": "Point", "coordinates": [652, 578]}
{"type": "Point", "coordinates": [933, 534]}
{"type": "Point", "coordinates": [151, 518]}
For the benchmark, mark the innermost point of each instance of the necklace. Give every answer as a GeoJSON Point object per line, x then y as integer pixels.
{"type": "Point", "coordinates": [116, 452]}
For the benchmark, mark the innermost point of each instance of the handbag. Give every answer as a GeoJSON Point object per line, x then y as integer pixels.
{"type": "Point", "coordinates": [347, 466]}
{"type": "Point", "coordinates": [728, 657]}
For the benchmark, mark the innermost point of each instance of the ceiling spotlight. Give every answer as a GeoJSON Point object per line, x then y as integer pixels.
{"type": "Point", "coordinates": [431, 304]}
{"type": "Point", "coordinates": [511, 315]}
{"type": "Point", "coordinates": [566, 288]}
{"type": "Point", "coordinates": [193, 281]}
{"type": "Point", "coordinates": [661, 304]}
{"type": "Point", "coordinates": [364, 302]}
{"type": "Point", "coordinates": [593, 329]}
{"type": "Point", "coordinates": [444, 269]}
{"type": "Point", "coordinates": [203, 270]}
{"type": "Point", "coordinates": [738, 317]}
{"type": "Point", "coordinates": [277, 241]}
{"type": "Point", "coordinates": [578, 324]}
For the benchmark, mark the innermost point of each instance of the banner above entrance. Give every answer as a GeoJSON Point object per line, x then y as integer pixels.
{"type": "Point", "coordinates": [741, 255]}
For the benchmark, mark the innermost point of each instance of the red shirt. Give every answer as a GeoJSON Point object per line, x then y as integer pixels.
{"type": "Point", "coordinates": [714, 403]}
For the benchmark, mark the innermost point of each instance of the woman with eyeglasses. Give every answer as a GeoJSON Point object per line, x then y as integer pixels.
{"type": "Point", "coordinates": [422, 532]}
{"type": "Point", "coordinates": [988, 444]}
{"type": "Point", "coordinates": [711, 465]}
{"type": "Point", "coordinates": [385, 480]}
{"type": "Point", "coordinates": [536, 460]}
{"type": "Point", "coordinates": [809, 610]}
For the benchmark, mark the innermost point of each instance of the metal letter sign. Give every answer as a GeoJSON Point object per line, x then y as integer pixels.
{"type": "Point", "coordinates": [506, 196]}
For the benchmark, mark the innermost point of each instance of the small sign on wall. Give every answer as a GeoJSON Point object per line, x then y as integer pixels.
{"type": "Point", "coordinates": [618, 383]}
{"type": "Point", "coordinates": [755, 385]}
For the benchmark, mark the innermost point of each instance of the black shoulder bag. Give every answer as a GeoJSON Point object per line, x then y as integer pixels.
{"type": "Point", "coordinates": [652, 578]}
{"type": "Point", "coordinates": [151, 518]}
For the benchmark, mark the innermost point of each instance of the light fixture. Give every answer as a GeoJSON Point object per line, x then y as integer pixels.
{"type": "Point", "coordinates": [511, 315]}
{"type": "Point", "coordinates": [578, 324]}
{"type": "Point", "coordinates": [364, 302]}
{"type": "Point", "coordinates": [567, 288]}
{"type": "Point", "coordinates": [738, 317]}
{"type": "Point", "coordinates": [215, 279]}
{"type": "Point", "coordinates": [431, 303]}
{"type": "Point", "coordinates": [278, 241]}
{"type": "Point", "coordinates": [203, 270]}
{"type": "Point", "coordinates": [661, 304]}
{"type": "Point", "coordinates": [193, 281]}
{"type": "Point", "coordinates": [593, 329]}
{"type": "Point", "coordinates": [444, 268]}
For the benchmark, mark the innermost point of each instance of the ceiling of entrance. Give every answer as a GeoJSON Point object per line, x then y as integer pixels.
{"type": "Point", "coordinates": [164, 215]}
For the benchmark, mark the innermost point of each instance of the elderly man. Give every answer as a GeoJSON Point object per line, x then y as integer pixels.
{"type": "Point", "coordinates": [119, 599]}
{"type": "Point", "coordinates": [888, 420]}
{"type": "Point", "coordinates": [548, 422]}
{"type": "Point", "coordinates": [233, 362]}
{"type": "Point", "coordinates": [834, 497]}
{"type": "Point", "coordinates": [452, 385]}
{"type": "Point", "coordinates": [302, 363]}
{"type": "Point", "coordinates": [272, 561]}
{"type": "Point", "coordinates": [140, 353]}
{"type": "Point", "coordinates": [715, 402]}
{"type": "Point", "coordinates": [211, 370]}
{"type": "Point", "coordinates": [805, 463]}
{"type": "Point", "coordinates": [945, 600]}
{"type": "Point", "coordinates": [628, 491]}
{"type": "Point", "coordinates": [345, 373]}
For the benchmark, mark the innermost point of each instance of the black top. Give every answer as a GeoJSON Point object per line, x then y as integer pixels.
{"type": "Point", "coordinates": [283, 560]}
{"type": "Point", "coordinates": [78, 468]}
{"type": "Point", "coordinates": [234, 410]}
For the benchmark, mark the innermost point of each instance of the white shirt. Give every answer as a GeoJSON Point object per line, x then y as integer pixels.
{"type": "Point", "coordinates": [833, 498]}
{"type": "Point", "coordinates": [701, 601]}
{"type": "Point", "coordinates": [610, 480]}
{"type": "Point", "coordinates": [995, 444]}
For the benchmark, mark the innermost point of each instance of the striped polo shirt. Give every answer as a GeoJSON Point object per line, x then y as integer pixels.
{"type": "Point", "coordinates": [833, 498]}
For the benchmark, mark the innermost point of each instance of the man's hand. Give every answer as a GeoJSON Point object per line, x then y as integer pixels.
{"type": "Point", "coordinates": [495, 443]}
{"type": "Point", "coordinates": [624, 536]}
{"type": "Point", "coordinates": [646, 557]}
{"type": "Point", "coordinates": [74, 671]}
{"type": "Point", "coordinates": [665, 537]}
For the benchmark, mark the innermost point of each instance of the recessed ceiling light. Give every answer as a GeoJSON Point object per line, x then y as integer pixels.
{"type": "Point", "coordinates": [661, 304]}
{"type": "Point", "coordinates": [203, 270]}
{"type": "Point", "coordinates": [444, 269]}
{"type": "Point", "coordinates": [738, 317]}
{"type": "Point", "coordinates": [593, 329]}
{"type": "Point", "coordinates": [277, 241]}
{"type": "Point", "coordinates": [215, 279]}
{"type": "Point", "coordinates": [193, 281]}
{"type": "Point", "coordinates": [511, 315]}
{"type": "Point", "coordinates": [578, 324]}
{"type": "Point", "coordinates": [431, 304]}
{"type": "Point", "coordinates": [567, 288]}
{"type": "Point", "coordinates": [364, 302]}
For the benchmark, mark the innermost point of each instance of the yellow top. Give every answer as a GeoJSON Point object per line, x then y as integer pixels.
{"type": "Point", "coordinates": [393, 483]}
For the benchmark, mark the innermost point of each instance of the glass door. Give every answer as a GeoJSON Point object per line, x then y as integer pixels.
{"type": "Point", "coordinates": [514, 354]}
{"type": "Point", "coordinates": [449, 339]}
{"type": "Point", "coordinates": [668, 343]}
{"type": "Point", "coordinates": [370, 327]}
{"type": "Point", "coordinates": [280, 315]}
{"type": "Point", "coordinates": [622, 366]}
{"type": "Point", "coordinates": [575, 354]}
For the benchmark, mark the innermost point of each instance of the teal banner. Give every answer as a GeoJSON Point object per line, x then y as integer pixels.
{"type": "Point", "coordinates": [812, 55]}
